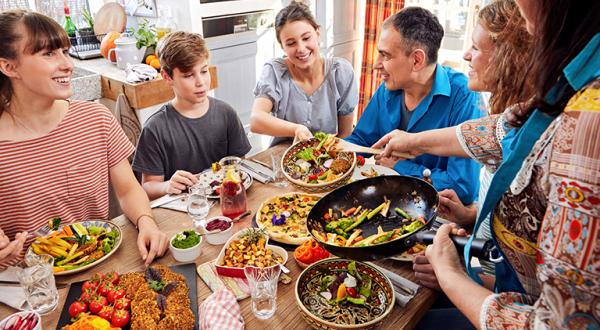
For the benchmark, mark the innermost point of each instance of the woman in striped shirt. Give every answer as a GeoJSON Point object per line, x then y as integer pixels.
{"type": "Point", "coordinates": [57, 156]}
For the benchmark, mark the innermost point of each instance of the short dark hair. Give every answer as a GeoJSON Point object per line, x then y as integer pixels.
{"type": "Point", "coordinates": [295, 11]}
{"type": "Point", "coordinates": [181, 50]}
{"type": "Point", "coordinates": [418, 27]}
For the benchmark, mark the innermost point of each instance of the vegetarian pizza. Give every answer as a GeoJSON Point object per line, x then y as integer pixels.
{"type": "Point", "coordinates": [284, 217]}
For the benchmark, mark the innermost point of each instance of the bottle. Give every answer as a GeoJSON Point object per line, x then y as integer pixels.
{"type": "Point", "coordinates": [233, 193]}
{"type": "Point", "coordinates": [165, 23]}
{"type": "Point", "coordinates": [69, 26]}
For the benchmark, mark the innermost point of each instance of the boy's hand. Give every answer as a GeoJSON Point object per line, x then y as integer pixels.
{"type": "Point", "coordinates": [302, 133]}
{"type": "Point", "coordinates": [180, 181]}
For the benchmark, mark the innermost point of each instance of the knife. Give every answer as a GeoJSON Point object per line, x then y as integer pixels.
{"type": "Point", "coordinates": [262, 177]}
{"type": "Point", "coordinates": [165, 200]}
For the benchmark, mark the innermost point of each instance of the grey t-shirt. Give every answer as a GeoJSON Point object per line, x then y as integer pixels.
{"type": "Point", "coordinates": [405, 116]}
{"type": "Point", "coordinates": [337, 95]}
{"type": "Point", "coordinates": [171, 142]}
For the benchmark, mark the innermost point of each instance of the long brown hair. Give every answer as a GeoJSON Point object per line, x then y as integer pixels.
{"type": "Point", "coordinates": [562, 29]}
{"type": "Point", "coordinates": [43, 33]}
{"type": "Point", "coordinates": [295, 11]}
{"type": "Point", "coordinates": [506, 27]}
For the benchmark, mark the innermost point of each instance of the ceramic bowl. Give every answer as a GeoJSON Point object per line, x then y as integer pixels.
{"type": "Point", "coordinates": [308, 297]}
{"type": "Point", "coordinates": [216, 237]}
{"type": "Point", "coordinates": [185, 255]}
{"type": "Point", "coordinates": [13, 319]}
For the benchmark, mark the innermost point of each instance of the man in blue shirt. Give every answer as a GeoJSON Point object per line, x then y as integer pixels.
{"type": "Point", "coordinates": [418, 95]}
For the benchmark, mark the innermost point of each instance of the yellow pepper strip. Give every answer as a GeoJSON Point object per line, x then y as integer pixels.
{"type": "Point", "coordinates": [58, 269]}
{"type": "Point", "coordinates": [73, 249]}
{"type": "Point", "coordinates": [66, 260]}
{"type": "Point", "coordinates": [58, 251]}
{"type": "Point", "coordinates": [37, 249]}
{"type": "Point", "coordinates": [60, 242]}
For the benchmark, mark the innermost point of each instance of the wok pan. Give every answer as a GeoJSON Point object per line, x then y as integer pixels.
{"type": "Point", "coordinates": [412, 195]}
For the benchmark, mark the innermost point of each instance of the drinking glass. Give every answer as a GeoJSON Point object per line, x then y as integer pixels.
{"type": "Point", "coordinates": [263, 290]}
{"type": "Point", "coordinates": [36, 277]}
{"type": "Point", "coordinates": [198, 205]}
{"type": "Point", "coordinates": [278, 177]}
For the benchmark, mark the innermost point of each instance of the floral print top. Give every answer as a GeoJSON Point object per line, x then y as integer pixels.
{"type": "Point", "coordinates": [548, 223]}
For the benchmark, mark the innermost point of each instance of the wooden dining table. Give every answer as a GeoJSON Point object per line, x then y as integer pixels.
{"type": "Point", "coordinates": [127, 259]}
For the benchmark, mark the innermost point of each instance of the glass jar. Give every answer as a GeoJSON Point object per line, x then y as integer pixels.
{"type": "Point", "coordinates": [165, 23]}
{"type": "Point", "coordinates": [233, 193]}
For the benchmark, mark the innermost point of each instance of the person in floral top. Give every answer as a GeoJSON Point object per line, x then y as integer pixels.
{"type": "Point", "coordinates": [546, 223]}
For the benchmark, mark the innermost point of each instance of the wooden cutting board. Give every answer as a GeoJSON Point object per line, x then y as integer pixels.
{"type": "Point", "coordinates": [111, 17]}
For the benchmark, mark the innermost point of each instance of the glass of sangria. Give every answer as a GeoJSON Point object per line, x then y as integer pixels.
{"type": "Point", "coordinates": [233, 193]}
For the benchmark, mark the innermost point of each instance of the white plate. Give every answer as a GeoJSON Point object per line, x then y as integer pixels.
{"type": "Point", "coordinates": [108, 226]}
{"type": "Point", "coordinates": [208, 176]}
{"type": "Point", "coordinates": [381, 170]}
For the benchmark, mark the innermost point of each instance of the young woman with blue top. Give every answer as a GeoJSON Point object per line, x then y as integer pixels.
{"type": "Point", "coordinates": [303, 92]}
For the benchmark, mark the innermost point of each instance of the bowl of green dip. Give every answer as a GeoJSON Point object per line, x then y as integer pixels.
{"type": "Point", "coordinates": [185, 245]}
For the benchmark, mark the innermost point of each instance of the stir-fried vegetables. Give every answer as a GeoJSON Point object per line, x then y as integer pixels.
{"type": "Point", "coordinates": [350, 286]}
{"type": "Point", "coordinates": [343, 230]}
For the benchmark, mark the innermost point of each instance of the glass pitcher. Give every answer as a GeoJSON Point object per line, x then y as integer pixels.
{"type": "Point", "coordinates": [233, 193]}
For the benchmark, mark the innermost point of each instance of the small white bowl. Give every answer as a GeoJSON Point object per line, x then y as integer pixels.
{"type": "Point", "coordinates": [216, 237]}
{"type": "Point", "coordinates": [36, 316]}
{"type": "Point", "coordinates": [185, 255]}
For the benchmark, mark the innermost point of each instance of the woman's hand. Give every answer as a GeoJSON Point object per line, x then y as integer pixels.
{"type": "Point", "coordinates": [8, 249]}
{"type": "Point", "coordinates": [451, 208]}
{"type": "Point", "coordinates": [150, 236]}
{"type": "Point", "coordinates": [302, 133]}
{"type": "Point", "coordinates": [398, 141]}
{"type": "Point", "coordinates": [424, 272]}
{"type": "Point", "coordinates": [180, 181]}
{"type": "Point", "coordinates": [442, 254]}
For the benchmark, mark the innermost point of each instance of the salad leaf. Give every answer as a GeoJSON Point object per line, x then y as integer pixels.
{"type": "Point", "coordinates": [365, 288]}
{"type": "Point", "coordinates": [321, 136]}
{"type": "Point", "coordinates": [94, 230]}
{"type": "Point", "coordinates": [306, 154]}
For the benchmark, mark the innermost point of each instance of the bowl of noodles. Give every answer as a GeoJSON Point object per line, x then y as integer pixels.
{"type": "Point", "coordinates": [343, 294]}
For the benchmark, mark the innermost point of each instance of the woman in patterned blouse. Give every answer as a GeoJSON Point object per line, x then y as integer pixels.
{"type": "Point", "coordinates": [547, 222]}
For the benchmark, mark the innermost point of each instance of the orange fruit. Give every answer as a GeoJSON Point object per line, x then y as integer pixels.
{"type": "Point", "coordinates": [150, 58]}
{"type": "Point", "coordinates": [155, 63]}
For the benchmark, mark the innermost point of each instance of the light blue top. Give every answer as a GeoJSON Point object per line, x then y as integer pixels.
{"type": "Point", "coordinates": [449, 103]}
{"type": "Point", "coordinates": [337, 95]}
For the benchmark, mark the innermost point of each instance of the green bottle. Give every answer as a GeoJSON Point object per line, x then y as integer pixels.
{"type": "Point", "coordinates": [69, 26]}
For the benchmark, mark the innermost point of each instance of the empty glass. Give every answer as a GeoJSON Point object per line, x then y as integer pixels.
{"type": "Point", "coordinates": [198, 205]}
{"type": "Point", "coordinates": [263, 290]}
{"type": "Point", "coordinates": [278, 177]}
{"type": "Point", "coordinates": [36, 277]}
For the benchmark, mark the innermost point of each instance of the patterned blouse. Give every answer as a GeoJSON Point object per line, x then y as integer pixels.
{"type": "Point", "coordinates": [548, 223]}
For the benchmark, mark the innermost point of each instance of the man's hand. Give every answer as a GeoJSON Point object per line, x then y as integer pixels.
{"type": "Point", "coordinates": [150, 236]}
{"type": "Point", "coordinates": [180, 181]}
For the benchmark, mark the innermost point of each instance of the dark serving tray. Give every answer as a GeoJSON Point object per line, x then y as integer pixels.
{"type": "Point", "coordinates": [187, 270]}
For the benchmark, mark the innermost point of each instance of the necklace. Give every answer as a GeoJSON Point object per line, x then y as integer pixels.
{"type": "Point", "coordinates": [19, 122]}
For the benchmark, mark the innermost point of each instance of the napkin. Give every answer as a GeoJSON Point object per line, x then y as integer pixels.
{"type": "Point", "coordinates": [404, 289]}
{"type": "Point", "coordinates": [12, 295]}
{"type": "Point", "coordinates": [139, 72]}
{"type": "Point", "coordinates": [258, 171]}
{"type": "Point", "coordinates": [221, 311]}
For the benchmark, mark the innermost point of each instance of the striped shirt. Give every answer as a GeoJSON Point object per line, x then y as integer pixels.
{"type": "Point", "coordinates": [64, 173]}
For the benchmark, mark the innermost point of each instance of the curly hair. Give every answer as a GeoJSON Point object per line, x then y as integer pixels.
{"type": "Point", "coordinates": [506, 27]}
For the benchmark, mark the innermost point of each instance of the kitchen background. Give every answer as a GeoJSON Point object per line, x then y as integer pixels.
{"type": "Point", "coordinates": [241, 37]}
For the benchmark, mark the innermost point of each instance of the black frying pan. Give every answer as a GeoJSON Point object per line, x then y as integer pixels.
{"type": "Point", "coordinates": [412, 195]}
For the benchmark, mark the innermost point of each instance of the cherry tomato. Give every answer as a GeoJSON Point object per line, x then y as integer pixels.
{"type": "Point", "coordinates": [87, 295]}
{"type": "Point", "coordinates": [112, 277]}
{"type": "Point", "coordinates": [104, 288]}
{"type": "Point", "coordinates": [97, 303]}
{"type": "Point", "coordinates": [106, 313]}
{"type": "Point", "coordinates": [123, 303]}
{"type": "Point", "coordinates": [313, 177]}
{"type": "Point", "coordinates": [114, 294]}
{"type": "Point", "coordinates": [360, 160]}
{"type": "Point", "coordinates": [76, 308]}
{"type": "Point", "coordinates": [120, 318]}
{"type": "Point", "coordinates": [352, 292]}
{"type": "Point", "coordinates": [89, 285]}
{"type": "Point", "coordinates": [98, 277]}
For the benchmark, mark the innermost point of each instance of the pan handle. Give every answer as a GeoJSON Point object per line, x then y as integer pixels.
{"type": "Point", "coordinates": [480, 248]}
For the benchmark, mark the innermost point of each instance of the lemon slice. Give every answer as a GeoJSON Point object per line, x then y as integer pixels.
{"type": "Point", "coordinates": [233, 176]}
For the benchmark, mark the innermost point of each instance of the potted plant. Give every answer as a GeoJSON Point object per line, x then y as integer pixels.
{"type": "Point", "coordinates": [145, 34]}
{"type": "Point", "coordinates": [86, 35]}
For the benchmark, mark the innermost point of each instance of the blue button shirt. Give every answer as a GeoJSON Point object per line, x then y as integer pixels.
{"type": "Point", "coordinates": [449, 103]}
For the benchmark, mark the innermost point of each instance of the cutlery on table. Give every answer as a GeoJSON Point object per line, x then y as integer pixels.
{"type": "Point", "coordinates": [165, 200]}
{"type": "Point", "coordinates": [343, 145]}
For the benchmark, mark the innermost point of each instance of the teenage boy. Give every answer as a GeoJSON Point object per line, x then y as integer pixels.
{"type": "Point", "coordinates": [192, 131]}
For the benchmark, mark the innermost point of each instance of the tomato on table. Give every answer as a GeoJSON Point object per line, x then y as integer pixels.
{"type": "Point", "coordinates": [123, 303]}
{"type": "Point", "coordinates": [76, 308]}
{"type": "Point", "coordinates": [97, 303]}
{"type": "Point", "coordinates": [120, 318]}
{"type": "Point", "coordinates": [106, 313]}
{"type": "Point", "coordinates": [115, 293]}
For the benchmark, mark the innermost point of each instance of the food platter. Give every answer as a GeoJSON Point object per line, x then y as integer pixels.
{"type": "Point", "coordinates": [109, 227]}
{"type": "Point", "coordinates": [213, 180]}
{"type": "Point", "coordinates": [284, 217]}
